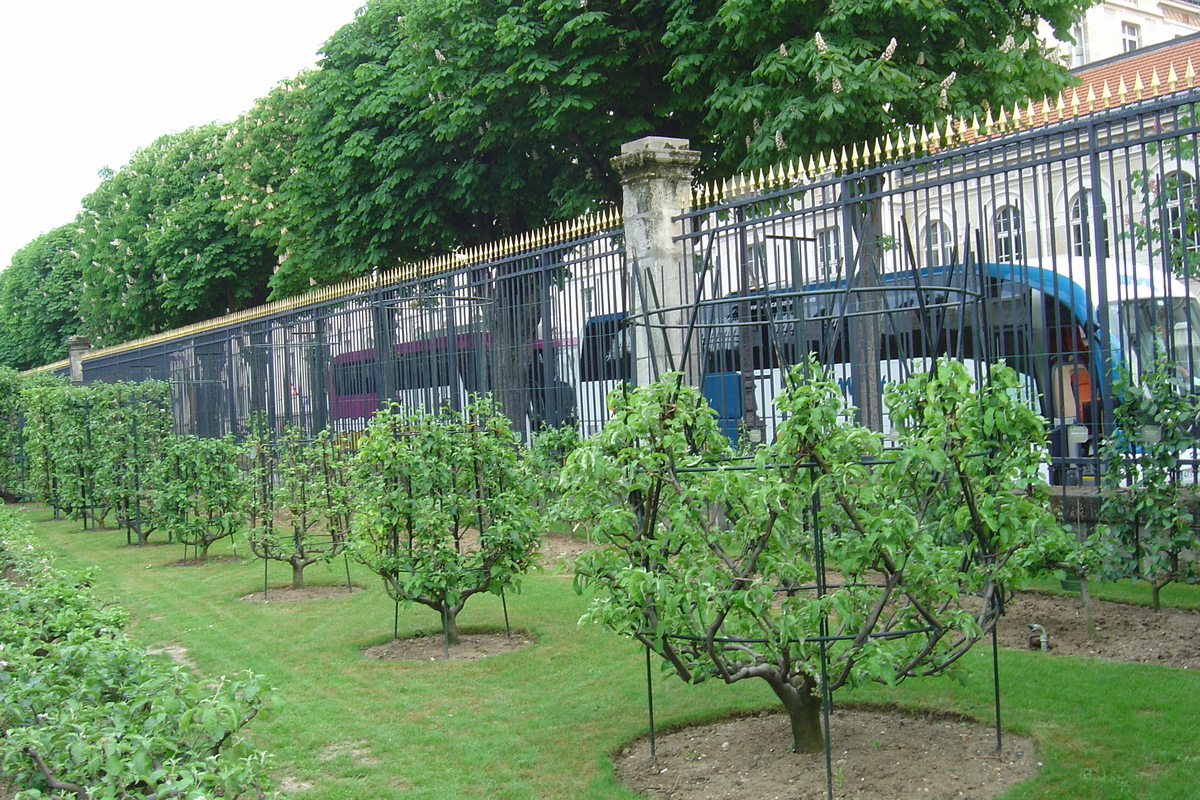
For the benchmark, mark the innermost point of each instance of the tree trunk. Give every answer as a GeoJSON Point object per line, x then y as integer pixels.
{"type": "Point", "coordinates": [516, 313]}
{"type": "Point", "coordinates": [450, 619]}
{"type": "Point", "coordinates": [297, 574]}
{"type": "Point", "coordinates": [804, 710]}
{"type": "Point", "coordinates": [1086, 597]}
{"type": "Point", "coordinates": [863, 330]}
{"type": "Point", "coordinates": [1155, 592]}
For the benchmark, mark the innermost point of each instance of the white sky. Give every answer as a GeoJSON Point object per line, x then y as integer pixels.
{"type": "Point", "coordinates": [87, 82]}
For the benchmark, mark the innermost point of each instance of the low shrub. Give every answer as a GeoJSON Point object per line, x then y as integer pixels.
{"type": "Point", "coordinates": [88, 713]}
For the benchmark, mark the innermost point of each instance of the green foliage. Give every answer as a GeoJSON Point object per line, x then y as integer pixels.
{"type": "Point", "coordinates": [300, 499]}
{"type": "Point", "coordinates": [794, 78]}
{"type": "Point", "coordinates": [12, 443]}
{"type": "Point", "coordinates": [57, 431]}
{"type": "Point", "coordinates": [256, 156]}
{"type": "Point", "coordinates": [86, 449]}
{"type": "Point", "coordinates": [198, 490]}
{"type": "Point", "coordinates": [716, 563]}
{"type": "Point", "coordinates": [548, 452]}
{"type": "Point", "coordinates": [430, 125]}
{"type": "Point", "coordinates": [39, 300]}
{"type": "Point", "coordinates": [158, 251]}
{"type": "Point", "coordinates": [1147, 529]}
{"type": "Point", "coordinates": [445, 506]}
{"type": "Point", "coordinates": [87, 712]}
{"type": "Point", "coordinates": [130, 425]}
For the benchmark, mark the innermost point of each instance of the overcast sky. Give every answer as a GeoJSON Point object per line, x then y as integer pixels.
{"type": "Point", "coordinates": [87, 82]}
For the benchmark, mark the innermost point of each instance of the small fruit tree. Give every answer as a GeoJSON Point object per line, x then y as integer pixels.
{"type": "Point", "coordinates": [299, 500]}
{"type": "Point", "coordinates": [57, 430]}
{"type": "Point", "coordinates": [11, 445]}
{"type": "Point", "coordinates": [719, 564]}
{"type": "Point", "coordinates": [1146, 530]}
{"type": "Point", "coordinates": [129, 424]}
{"type": "Point", "coordinates": [199, 491]}
{"type": "Point", "coordinates": [444, 506]}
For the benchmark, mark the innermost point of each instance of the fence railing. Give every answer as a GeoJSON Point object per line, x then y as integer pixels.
{"type": "Point", "coordinates": [1062, 248]}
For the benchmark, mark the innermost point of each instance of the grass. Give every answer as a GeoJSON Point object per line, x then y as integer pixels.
{"type": "Point", "coordinates": [541, 722]}
{"type": "Point", "coordinates": [1176, 595]}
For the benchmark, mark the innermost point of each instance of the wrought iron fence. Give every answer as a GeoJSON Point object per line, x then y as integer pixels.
{"type": "Point", "coordinates": [1062, 248]}
{"type": "Point", "coordinates": [511, 319]}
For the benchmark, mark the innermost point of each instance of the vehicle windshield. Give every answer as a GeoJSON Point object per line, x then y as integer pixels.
{"type": "Point", "coordinates": [1155, 328]}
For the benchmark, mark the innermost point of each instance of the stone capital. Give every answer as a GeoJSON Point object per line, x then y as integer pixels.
{"type": "Point", "coordinates": [655, 157]}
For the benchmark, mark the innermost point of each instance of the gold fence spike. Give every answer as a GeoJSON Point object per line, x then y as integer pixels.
{"type": "Point", "coordinates": [1138, 86]}
{"type": "Point", "coordinates": [1155, 83]}
{"type": "Point", "coordinates": [1189, 74]}
{"type": "Point", "coordinates": [1122, 91]}
{"type": "Point", "coordinates": [1172, 77]}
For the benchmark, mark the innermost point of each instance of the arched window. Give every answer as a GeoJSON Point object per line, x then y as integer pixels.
{"type": "Point", "coordinates": [1010, 235]}
{"type": "Point", "coordinates": [1081, 228]}
{"type": "Point", "coordinates": [939, 244]}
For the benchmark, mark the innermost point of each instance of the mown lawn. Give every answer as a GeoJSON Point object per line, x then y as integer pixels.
{"type": "Point", "coordinates": [541, 722]}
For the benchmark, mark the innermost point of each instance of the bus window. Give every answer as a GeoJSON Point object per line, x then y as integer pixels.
{"type": "Point", "coordinates": [1164, 328]}
{"type": "Point", "coordinates": [353, 378]}
{"type": "Point", "coordinates": [604, 354]}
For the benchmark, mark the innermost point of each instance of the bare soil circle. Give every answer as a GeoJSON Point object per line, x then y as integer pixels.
{"type": "Point", "coordinates": [471, 646]}
{"type": "Point", "coordinates": [206, 561]}
{"type": "Point", "coordinates": [875, 754]}
{"type": "Point", "coordinates": [890, 754]}
{"type": "Point", "coordinates": [289, 594]}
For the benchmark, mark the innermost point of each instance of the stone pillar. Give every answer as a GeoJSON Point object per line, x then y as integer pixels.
{"type": "Point", "coordinates": [76, 347]}
{"type": "Point", "coordinates": [656, 181]}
